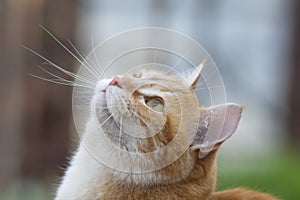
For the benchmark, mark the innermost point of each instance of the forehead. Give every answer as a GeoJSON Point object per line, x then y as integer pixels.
{"type": "Point", "coordinates": [146, 72]}
{"type": "Point", "coordinates": [159, 83]}
{"type": "Point", "coordinates": [158, 76]}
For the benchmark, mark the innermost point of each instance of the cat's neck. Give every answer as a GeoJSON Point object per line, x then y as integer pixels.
{"type": "Point", "coordinates": [106, 183]}
{"type": "Point", "coordinates": [200, 183]}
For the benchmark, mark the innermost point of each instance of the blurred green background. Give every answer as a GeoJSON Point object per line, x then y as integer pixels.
{"type": "Point", "coordinates": [255, 44]}
{"type": "Point", "coordinates": [277, 174]}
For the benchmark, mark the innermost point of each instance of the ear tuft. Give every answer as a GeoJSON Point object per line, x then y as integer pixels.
{"type": "Point", "coordinates": [217, 124]}
{"type": "Point", "coordinates": [193, 76]}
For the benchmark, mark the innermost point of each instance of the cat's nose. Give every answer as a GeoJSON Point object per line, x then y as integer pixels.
{"type": "Point", "coordinates": [115, 81]}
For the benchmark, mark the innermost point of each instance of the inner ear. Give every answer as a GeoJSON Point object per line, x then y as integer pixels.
{"type": "Point", "coordinates": [217, 124]}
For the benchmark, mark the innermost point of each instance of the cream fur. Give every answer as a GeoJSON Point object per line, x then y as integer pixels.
{"type": "Point", "coordinates": [106, 164]}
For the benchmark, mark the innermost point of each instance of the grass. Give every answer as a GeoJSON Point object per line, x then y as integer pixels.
{"type": "Point", "coordinates": [26, 191]}
{"type": "Point", "coordinates": [278, 175]}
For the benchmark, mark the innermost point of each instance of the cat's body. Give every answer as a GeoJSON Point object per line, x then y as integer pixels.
{"type": "Point", "coordinates": [99, 183]}
{"type": "Point", "coordinates": [150, 104]}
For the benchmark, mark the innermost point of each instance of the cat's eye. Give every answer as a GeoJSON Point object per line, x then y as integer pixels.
{"type": "Point", "coordinates": [137, 75]}
{"type": "Point", "coordinates": [155, 103]}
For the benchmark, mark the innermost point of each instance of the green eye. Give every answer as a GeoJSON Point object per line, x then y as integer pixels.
{"type": "Point", "coordinates": [155, 104]}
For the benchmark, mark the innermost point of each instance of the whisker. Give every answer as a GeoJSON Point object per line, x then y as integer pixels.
{"type": "Point", "coordinates": [84, 92]}
{"type": "Point", "coordinates": [70, 52]}
{"type": "Point", "coordinates": [104, 113]}
{"type": "Point", "coordinates": [60, 78]}
{"type": "Point", "coordinates": [82, 107]}
{"type": "Point", "coordinates": [59, 82]}
{"type": "Point", "coordinates": [101, 107]}
{"type": "Point", "coordinates": [83, 101]}
{"type": "Point", "coordinates": [81, 96]}
{"type": "Point", "coordinates": [86, 101]}
{"type": "Point", "coordinates": [56, 66]}
{"type": "Point", "coordinates": [76, 50]}
{"type": "Point", "coordinates": [106, 120]}
{"type": "Point", "coordinates": [84, 59]}
{"type": "Point", "coordinates": [96, 58]}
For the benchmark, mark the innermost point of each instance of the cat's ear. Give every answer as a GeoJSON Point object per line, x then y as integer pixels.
{"type": "Point", "coordinates": [193, 75]}
{"type": "Point", "coordinates": [217, 124]}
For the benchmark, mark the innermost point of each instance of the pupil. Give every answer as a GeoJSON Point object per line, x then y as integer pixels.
{"type": "Point", "coordinates": [154, 105]}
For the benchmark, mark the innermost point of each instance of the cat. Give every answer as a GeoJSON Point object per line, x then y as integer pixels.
{"type": "Point", "coordinates": [134, 116]}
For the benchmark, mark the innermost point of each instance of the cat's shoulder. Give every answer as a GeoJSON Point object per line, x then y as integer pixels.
{"type": "Point", "coordinates": [242, 194]}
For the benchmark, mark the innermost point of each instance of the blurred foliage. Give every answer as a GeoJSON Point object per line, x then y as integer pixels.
{"type": "Point", "coordinates": [27, 191]}
{"type": "Point", "coordinates": [278, 174]}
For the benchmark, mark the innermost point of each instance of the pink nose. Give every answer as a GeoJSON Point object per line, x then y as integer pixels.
{"type": "Point", "coordinates": [115, 81]}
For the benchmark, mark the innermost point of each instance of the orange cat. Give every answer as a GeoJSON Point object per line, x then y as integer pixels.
{"type": "Point", "coordinates": [147, 138]}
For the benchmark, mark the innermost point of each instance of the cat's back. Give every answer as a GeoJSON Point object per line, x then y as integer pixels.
{"type": "Point", "coordinates": [163, 192]}
{"type": "Point", "coordinates": [180, 194]}
{"type": "Point", "coordinates": [241, 194]}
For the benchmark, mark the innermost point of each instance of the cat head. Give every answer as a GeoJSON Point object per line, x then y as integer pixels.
{"type": "Point", "coordinates": [146, 110]}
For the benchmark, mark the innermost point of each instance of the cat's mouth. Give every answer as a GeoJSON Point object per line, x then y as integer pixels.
{"type": "Point", "coordinates": [101, 104]}
{"type": "Point", "coordinates": [108, 99]}
{"type": "Point", "coordinates": [110, 82]}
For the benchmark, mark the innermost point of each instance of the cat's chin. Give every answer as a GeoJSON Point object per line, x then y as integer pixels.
{"type": "Point", "coordinates": [102, 85]}
{"type": "Point", "coordinates": [99, 109]}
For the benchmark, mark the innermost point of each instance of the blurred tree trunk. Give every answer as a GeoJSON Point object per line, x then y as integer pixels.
{"type": "Point", "coordinates": [294, 120]}
{"type": "Point", "coordinates": [48, 111]}
{"type": "Point", "coordinates": [17, 19]}
{"type": "Point", "coordinates": [35, 115]}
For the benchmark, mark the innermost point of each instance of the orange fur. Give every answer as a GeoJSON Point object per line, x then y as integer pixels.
{"type": "Point", "coordinates": [198, 185]}
{"type": "Point", "coordinates": [241, 193]}
{"type": "Point", "coordinates": [188, 177]}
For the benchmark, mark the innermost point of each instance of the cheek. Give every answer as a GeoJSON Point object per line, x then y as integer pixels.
{"type": "Point", "coordinates": [117, 101]}
{"type": "Point", "coordinates": [154, 121]}
{"type": "Point", "coordinates": [98, 103]}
